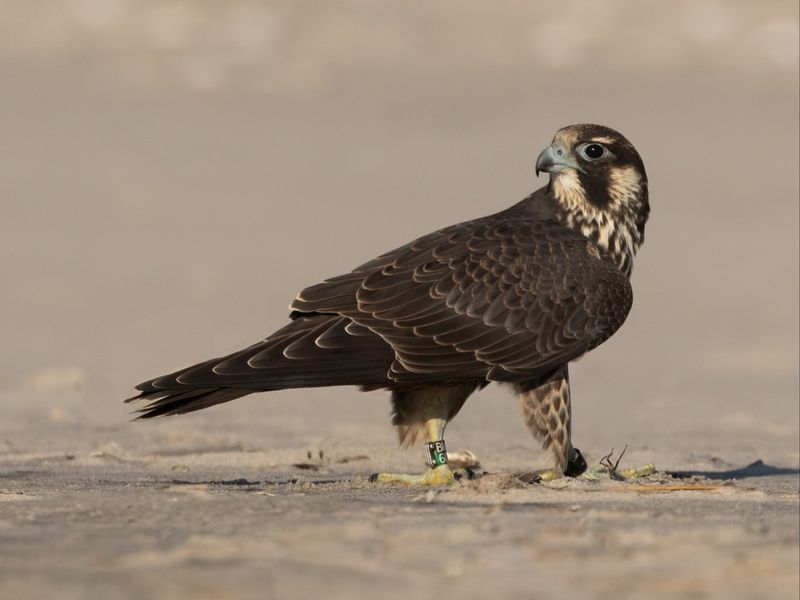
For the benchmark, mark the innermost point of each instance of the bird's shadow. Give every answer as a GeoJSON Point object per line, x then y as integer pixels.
{"type": "Point", "coordinates": [755, 469]}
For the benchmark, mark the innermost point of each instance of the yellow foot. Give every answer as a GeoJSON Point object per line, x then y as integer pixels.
{"type": "Point", "coordinates": [547, 475]}
{"type": "Point", "coordinates": [603, 472]}
{"type": "Point", "coordinates": [441, 475]}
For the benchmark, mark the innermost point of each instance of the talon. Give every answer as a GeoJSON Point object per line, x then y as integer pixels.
{"type": "Point", "coordinates": [474, 472]}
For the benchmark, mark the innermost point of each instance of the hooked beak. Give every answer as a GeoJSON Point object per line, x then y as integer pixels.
{"type": "Point", "coordinates": [554, 159]}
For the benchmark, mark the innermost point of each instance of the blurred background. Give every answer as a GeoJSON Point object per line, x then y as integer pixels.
{"type": "Point", "coordinates": [173, 172]}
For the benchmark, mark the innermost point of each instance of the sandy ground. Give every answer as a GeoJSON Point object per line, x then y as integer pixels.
{"type": "Point", "coordinates": [169, 512]}
{"type": "Point", "coordinates": [173, 172]}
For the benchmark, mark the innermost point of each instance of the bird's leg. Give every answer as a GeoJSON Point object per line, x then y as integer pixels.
{"type": "Point", "coordinates": [438, 472]}
{"type": "Point", "coordinates": [422, 415]}
{"type": "Point", "coordinates": [546, 408]}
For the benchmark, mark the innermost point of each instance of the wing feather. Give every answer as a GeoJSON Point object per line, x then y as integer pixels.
{"type": "Point", "coordinates": [511, 295]}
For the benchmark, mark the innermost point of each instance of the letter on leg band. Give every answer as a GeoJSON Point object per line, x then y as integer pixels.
{"type": "Point", "coordinates": [436, 453]}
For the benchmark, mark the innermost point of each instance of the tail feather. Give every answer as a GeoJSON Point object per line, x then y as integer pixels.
{"type": "Point", "coordinates": [181, 403]}
{"type": "Point", "coordinates": [314, 351]}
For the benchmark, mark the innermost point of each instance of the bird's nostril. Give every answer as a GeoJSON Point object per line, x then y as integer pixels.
{"type": "Point", "coordinates": [559, 152]}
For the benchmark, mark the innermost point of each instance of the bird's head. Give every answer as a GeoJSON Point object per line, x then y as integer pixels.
{"type": "Point", "coordinates": [598, 181]}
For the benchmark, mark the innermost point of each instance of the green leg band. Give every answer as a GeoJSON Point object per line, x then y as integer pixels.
{"type": "Point", "coordinates": [436, 453]}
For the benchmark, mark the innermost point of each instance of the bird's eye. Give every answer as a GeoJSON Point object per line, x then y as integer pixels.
{"type": "Point", "coordinates": [593, 151]}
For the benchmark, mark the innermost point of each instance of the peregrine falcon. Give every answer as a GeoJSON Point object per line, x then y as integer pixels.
{"type": "Point", "coordinates": [510, 298]}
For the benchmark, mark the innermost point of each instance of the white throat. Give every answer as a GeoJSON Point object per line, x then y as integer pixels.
{"type": "Point", "coordinates": [610, 225]}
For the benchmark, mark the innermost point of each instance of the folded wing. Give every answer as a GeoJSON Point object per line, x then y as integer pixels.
{"type": "Point", "coordinates": [501, 299]}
